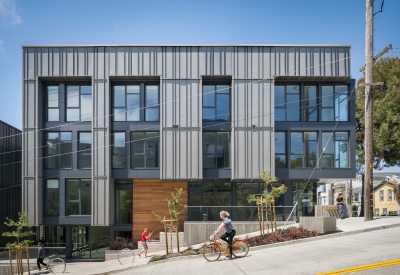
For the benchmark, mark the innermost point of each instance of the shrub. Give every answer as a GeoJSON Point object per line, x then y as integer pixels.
{"type": "Point", "coordinates": [314, 233]}
{"type": "Point", "coordinates": [301, 229]}
{"type": "Point", "coordinates": [294, 233]}
{"type": "Point", "coordinates": [189, 252]}
{"type": "Point", "coordinates": [275, 237]}
{"type": "Point", "coordinates": [258, 240]}
{"type": "Point", "coordinates": [156, 258]}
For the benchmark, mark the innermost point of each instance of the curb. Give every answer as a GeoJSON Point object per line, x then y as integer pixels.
{"type": "Point", "coordinates": [255, 248]}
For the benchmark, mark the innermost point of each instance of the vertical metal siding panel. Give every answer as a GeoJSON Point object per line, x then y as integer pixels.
{"type": "Point", "coordinates": [146, 61]}
{"type": "Point", "coordinates": [195, 104]}
{"type": "Point", "coordinates": [342, 61]}
{"type": "Point", "coordinates": [194, 62]}
{"type": "Point", "coordinates": [317, 62]}
{"type": "Point", "coordinates": [328, 62]}
{"type": "Point", "coordinates": [38, 58]}
{"type": "Point", "coordinates": [31, 63]}
{"type": "Point", "coordinates": [202, 61]}
{"type": "Point", "coordinates": [183, 112]}
{"type": "Point", "coordinates": [120, 61]}
{"type": "Point", "coordinates": [112, 61]}
{"type": "Point", "coordinates": [241, 63]}
{"type": "Point", "coordinates": [90, 61]}
{"type": "Point", "coordinates": [255, 151]}
{"type": "Point", "coordinates": [127, 60]}
{"type": "Point", "coordinates": [283, 70]}
{"type": "Point", "coordinates": [291, 70]}
{"type": "Point", "coordinates": [256, 107]}
{"type": "Point", "coordinates": [81, 62]}
{"type": "Point", "coordinates": [45, 62]}
{"type": "Point", "coordinates": [168, 72]}
{"type": "Point", "coordinates": [217, 60]}
{"type": "Point", "coordinates": [159, 63]}
{"type": "Point", "coordinates": [183, 68]}
{"type": "Point", "coordinates": [184, 162]}
{"type": "Point", "coordinates": [135, 61]}
{"type": "Point", "coordinates": [229, 51]}
{"type": "Point", "coordinates": [170, 90]}
{"type": "Point", "coordinates": [303, 61]}
{"type": "Point", "coordinates": [100, 64]}
{"type": "Point", "coordinates": [309, 66]}
{"type": "Point", "coordinates": [69, 63]}
{"type": "Point", "coordinates": [255, 65]}
{"type": "Point", "coordinates": [75, 53]}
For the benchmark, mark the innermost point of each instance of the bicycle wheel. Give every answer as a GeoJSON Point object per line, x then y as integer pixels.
{"type": "Point", "coordinates": [57, 265]}
{"type": "Point", "coordinates": [211, 252]}
{"type": "Point", "coordinates": [240, 248]}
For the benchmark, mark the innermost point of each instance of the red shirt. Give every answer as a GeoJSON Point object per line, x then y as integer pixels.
{"type": "Point", "coordinates": [144, 236]}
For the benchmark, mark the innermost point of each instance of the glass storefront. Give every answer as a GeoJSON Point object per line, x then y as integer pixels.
{"type": "Point", "coordinates": [90, 241]}
{"type": "Point", "coordinates": [306, 194]}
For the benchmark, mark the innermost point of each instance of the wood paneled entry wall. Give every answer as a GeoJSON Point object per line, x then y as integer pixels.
{"type": "Point", "coordinates": [150, 196]}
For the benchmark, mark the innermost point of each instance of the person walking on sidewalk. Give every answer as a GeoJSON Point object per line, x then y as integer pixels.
{"type": "Point", "coordinates": [230, 231]}
{"type": "Point", "coordinates": [145, 237]}
{"type": "Point", "coordinates": [340, 205]}
{"type": "Point", "coordinates": [40, 257]}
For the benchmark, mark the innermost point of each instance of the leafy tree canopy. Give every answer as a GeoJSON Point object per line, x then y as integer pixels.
{"type": "Point", "coordinates": [23, 230]}
{"type": "Point", "coordinates": [386, 133]}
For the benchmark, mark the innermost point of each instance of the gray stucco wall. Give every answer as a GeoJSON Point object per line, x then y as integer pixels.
{"type": "Point", "coordinates": [181, 71]}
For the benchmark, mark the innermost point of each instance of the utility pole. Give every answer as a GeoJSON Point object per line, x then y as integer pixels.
{"type": "Point", "coordinates": [369, 109]}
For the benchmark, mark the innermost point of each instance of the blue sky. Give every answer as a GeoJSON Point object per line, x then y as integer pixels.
{"type": "Point", "coordinates": [185, 22]}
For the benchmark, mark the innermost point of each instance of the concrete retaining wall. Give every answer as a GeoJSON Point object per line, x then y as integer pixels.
{"type": "Point", "coordinates": [321, 224]}
{"type": "Point", "coordinates": [199, 232]}
{"type": "Point", "coordinates": [322, 211]}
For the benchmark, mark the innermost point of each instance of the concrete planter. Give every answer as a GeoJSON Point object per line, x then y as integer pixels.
{"type": "Point", "coordinates": [330, 211]}
{"type": "Point", "coordinates": [321, 224]}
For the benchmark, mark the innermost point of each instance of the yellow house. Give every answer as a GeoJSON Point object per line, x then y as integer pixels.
{"type": "Point", "coordinates": [384, 199]}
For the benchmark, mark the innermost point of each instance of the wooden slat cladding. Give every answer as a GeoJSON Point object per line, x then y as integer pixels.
{"type": "Point", "coordinates": [150, 196]}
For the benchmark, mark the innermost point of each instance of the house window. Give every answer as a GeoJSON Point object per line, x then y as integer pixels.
{"type": "Point", "coordinates": [126, 103]}
{"type": "Point", "coordinates": [216, 149]}
{"type": "Point", "coordinates": [389, 194]}
{"type": "Point", "coordinates": [376, 211]}
{"type": "Point", "coordinates": [303, 149]}
{"type": "Point", "coordinates": [79, 103]}
{"type": "Point", "coordinates": [216, 103]}
{"type": "Point", "coordinates": [152, 103]}
{"type": "Point", "coordinates": [85, 150]}
{"type": "Point", "coordinates": [123, 206]}
{"type": "Point", "coordinates": [336, 154]}
{"type": "Point", "coordinates": [53, 108]}
{"type": "Point", "coordinates": [334, 103]}
{"type": "Point", "coordinates": [280, 149]}
{"type": "Point", "coordinates": [144, 149]}
{"type": "Point", "coordinates": [310, 103]}
{"type": "Point", "coordinates": [119, 150]}
{"type": "Point", "coordinates": [52, 203]}
{"type": "Point", "coordinates": [287, 103]}
{"type": "Point", "coordinates": [384, 212]}
{"type": "Point", "coordinates": [58, 152]}
{"type": "Point", "coordinates": [79, 196]}
{"type": "Point", "coordinates": [381, 195]}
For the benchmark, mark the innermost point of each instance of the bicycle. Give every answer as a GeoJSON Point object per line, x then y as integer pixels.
{"type": "Point", "coordinates": [212, 251]}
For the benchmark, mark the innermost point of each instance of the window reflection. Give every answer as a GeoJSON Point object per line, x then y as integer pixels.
{"type": "Point", "coordinates": [144, 150]}
{"type": "Point", "coordinates": [336, 154]}
{"type": "Point", "coordinates": [303, 151]}
{"type": "Point", "coordinates": [216, 102]}
{"type": "Point", "coordinates": [58, 152]}
{"type": "Point", "coordinates": [280, 149]}
{"type": "Point", "coordinates": [287, 106]}
{"type": "Point", "coordinates": [119, 150]}
{"type": "Point", "coordinates": [335, 103]}
{"type": "Point", "coordinates": [216, 149]}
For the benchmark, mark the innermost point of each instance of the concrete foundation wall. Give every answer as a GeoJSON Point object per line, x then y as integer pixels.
{"type": "Point", "coordinates": [321, 224]}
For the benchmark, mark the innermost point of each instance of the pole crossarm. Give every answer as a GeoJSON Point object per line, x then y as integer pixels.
{"type": "Point", "coordinates": [371, 84]}
{"type": "Point", "coordinates": [376, 57]}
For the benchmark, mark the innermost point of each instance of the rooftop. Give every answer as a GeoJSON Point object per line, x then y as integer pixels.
{"type": "Point", "coordinates": [184, 45]}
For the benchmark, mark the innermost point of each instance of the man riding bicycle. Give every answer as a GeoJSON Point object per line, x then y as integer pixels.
{"type": "Point", "coordinates": [230, 231]}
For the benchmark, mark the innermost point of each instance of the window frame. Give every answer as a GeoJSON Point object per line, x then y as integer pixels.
{"type": "Point", "coordinates": [285, 149]}
{"type": "Point", "coordinates": [124, 156]}
{"type": "Point", "coordinates": [335, 96]}
{"type": "Point", "coordinates": [317, 104]}
{"type": "Point", "coordinates": [79, 107]}
{"type": "Point", "coordinates": [47, 108]}
{"type": "Point", "coordinates": [317, 140]}
{"type": "Point", "coordinates": [334, 139]}
{"type": "Point", "coordinates": [381, 195]}
{"type": "Point", "coordinates": [284, 107]}
{"type": "Point", "coordinates": [144, 154]}
{"type": "Point", "coordinates": [229, 93]}
{"type": "Point", "coordinates": [58, 153]}
{"type": "Point", "coordinates": [389, 194]}
{"type": "Point", "coordinates": [216, 140]}
{"type": "Point", "coordinates": [46, 201]}
{"type": "Point", "coordinates": [79, 200]}
{"type": "Point", "coordinates": [122, 186]}
{"type": "Point", "coordinates": [80, 153]}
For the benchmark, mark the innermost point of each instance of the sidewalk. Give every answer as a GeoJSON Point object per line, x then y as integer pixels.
{"type": "Point", "coordinates": [349, 226]}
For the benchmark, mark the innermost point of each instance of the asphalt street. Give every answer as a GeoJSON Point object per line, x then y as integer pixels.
{"type": "Point", "coordinates": [304, 258]}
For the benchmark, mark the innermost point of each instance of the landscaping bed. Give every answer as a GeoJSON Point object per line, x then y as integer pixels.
{"type": "Point", "coordinates": [289, 234]}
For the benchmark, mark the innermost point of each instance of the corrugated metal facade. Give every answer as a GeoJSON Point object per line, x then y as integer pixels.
{"type": "Point", "coordinates": [10, 176]}
{"type": "Point", "coordinates": [181, 70]}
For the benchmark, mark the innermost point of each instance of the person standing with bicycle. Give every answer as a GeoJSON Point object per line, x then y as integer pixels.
{"type": "Point", "coordinates": [230, 231]}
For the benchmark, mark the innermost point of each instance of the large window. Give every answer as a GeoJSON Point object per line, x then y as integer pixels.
{"type": "Point", "coordinates": [287, 103]}
{"type": "Point", "coordinates": [123, 206]}
{"type": "Point", "coordinates": [58, 150]}
{"type": "Point", "coordinates": [119, 150]}
{"type": "Point", "coordinates": [152, 103]}
{"type": "Point", "coordinates": [336, 154]}
{"type": "Point", "coordinates": [52, 201]}
{"type": "Point", "coordinates": [53, 108]}
{"type": "Point", "coordinates": [127, 103]}
{"type": "Point", "coordinates": [78, 196]}
{"type": "Point", "coordinates": [85, 151]}
{"type": "Point", "coordinates": [79, 103]}
{"type": "Point", "coordinates": [303, 149]}
{"type": "Point", "coordinates": [280, 149]}
{"type": "Point", "coordinates": [334, 103]}
{"type": "Point", "coordinates": [389, 194]}
{"type": "Point", "coordinates": [310, 103]}
{"type": "Point", "coordinates": [144, 149]}
{"type": "Point", "coordinates": [381, 195]}
{"type": "Point", "coordinates": [128, 100]}
{"type": "Point", "coordinates": [216, 149]}
{"type": "Point", "coordinates": [216, 103]}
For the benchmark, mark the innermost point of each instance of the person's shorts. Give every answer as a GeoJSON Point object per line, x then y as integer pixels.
{"type": "Point", "coordinates": [145, 245]}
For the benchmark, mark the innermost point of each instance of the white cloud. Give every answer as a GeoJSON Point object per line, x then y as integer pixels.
{"type": "Point", "coordinates": [8, 12]}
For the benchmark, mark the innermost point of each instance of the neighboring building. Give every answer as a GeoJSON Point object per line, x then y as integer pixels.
{"type": "Point", "coordinates": [113, 130]}
{"type": "Point", "coordinates": [10, 176]}
{"type": "Point", "coordinates": [385, 202]}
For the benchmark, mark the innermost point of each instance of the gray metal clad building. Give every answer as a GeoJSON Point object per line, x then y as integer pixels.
{"type": "Point", "coordinates": [10, 176]}
{"type": "Point", "coordinates": [103, 123]}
